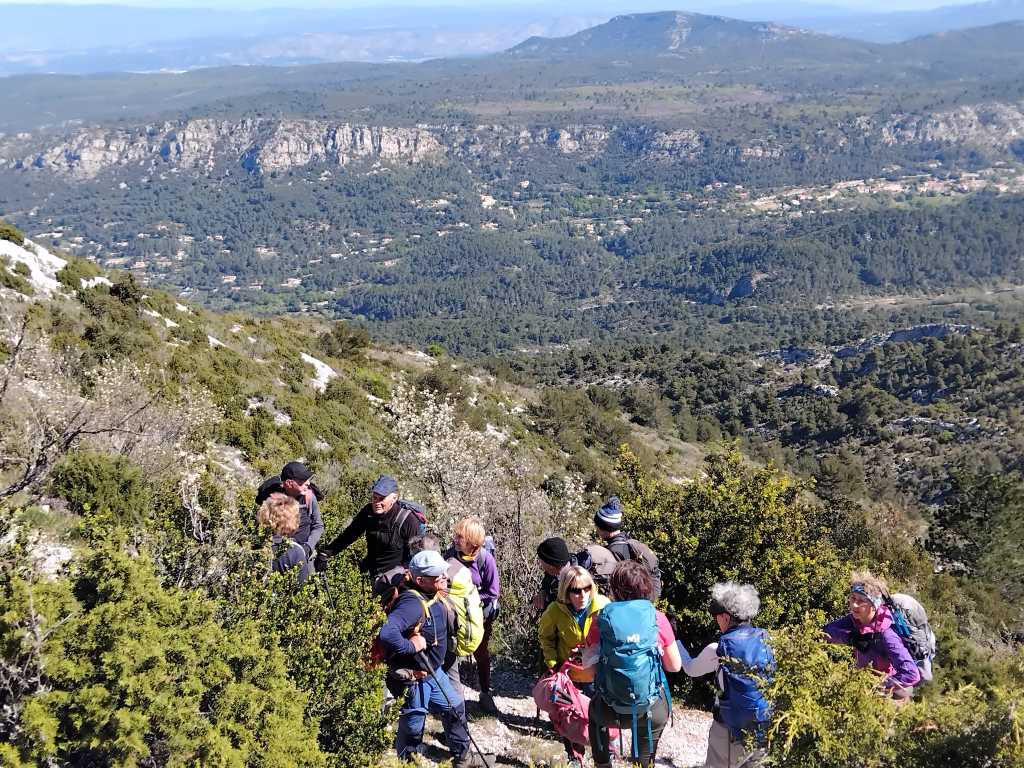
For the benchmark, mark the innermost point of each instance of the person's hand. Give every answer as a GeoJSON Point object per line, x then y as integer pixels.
{"type": "Point", "coordinates": [320, 562]}
{"type": "Point", "coordinates": [418, 643]}
{"type": "Point", "coordinates": [308, 550]}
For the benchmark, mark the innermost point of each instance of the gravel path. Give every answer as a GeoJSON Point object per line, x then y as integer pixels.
{"type": "Point", "coordinates": [519, 738]}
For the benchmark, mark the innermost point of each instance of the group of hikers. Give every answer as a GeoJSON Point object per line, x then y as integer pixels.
{"type": "Point", "coordinates": [606, 649]}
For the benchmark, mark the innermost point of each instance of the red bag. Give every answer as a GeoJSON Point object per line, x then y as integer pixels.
{"type": "Point", "coordinates": [566, 707]}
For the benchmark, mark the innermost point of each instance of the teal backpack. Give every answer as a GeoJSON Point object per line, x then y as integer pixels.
{"type": "Point", "coordinates": [630, 678]}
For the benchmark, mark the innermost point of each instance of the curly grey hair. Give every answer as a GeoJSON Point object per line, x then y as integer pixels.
{"type": "Point", "coordinates": [740, 601]}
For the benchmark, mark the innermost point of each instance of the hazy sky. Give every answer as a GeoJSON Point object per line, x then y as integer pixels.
{"type": "Point", "coordinates": [594, 7]}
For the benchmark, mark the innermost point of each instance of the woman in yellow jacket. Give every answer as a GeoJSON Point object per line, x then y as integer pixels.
{"type": "Point", "coordinates": [565, 623]}
{"type": "Point", "coordinates": [564, 626]}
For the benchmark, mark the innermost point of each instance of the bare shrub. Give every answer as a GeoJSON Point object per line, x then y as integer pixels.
{"type": "Point", "coordinates": [463, 472]}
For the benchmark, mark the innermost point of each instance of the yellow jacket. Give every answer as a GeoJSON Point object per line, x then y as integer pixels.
{"type": "Point", "coordinates": [559, 634]}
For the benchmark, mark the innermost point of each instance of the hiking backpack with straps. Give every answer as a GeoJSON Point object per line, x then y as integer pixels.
{"type": "Point", "coordinates": [464, 599]}
{"type": "Point", "coordinates": [629, 674]}
{"type": "Point", "coordinates": [406, 508]}
{"type": "Point", "coordinates": [625, 548]}
{"type": "Point", "coordinates": [746, 662]}
{"type": "Point", "coordinates": [568, 709]}
{"type": "Point", "coordinates": [910, 622]}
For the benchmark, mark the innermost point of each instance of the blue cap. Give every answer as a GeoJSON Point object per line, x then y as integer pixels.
{"type": "Point", "coordinates": [385, 485]}
{"type": "Point", "coordinates": [428, 563]}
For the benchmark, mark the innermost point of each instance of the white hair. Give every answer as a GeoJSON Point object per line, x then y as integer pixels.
{"type": "Point", "coordinates": [740, 601]}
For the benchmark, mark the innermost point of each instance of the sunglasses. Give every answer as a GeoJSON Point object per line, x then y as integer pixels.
{"type": "Point", "coordinates": [578, 590]}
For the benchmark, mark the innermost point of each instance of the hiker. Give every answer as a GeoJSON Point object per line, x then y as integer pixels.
{"type": "Point", "coordinates": [629, 648]}
{"type": "Point", "coordinates": [741, 710]}
{"type": "Point", "coordinates": [608, 523]}
{"type": "Point", "coordinates": [465, 611]}
{"type": "Point", "coordinates": [468, 549]}
{"type": "Point", "coordinates": [295, 480]}
{"type": "Point", "coordinates": [280, 514]}
{"type": "Point", "coordinates": [563, 629]}
{"type": "Point", "coordinates": [552, 557]}
{"type": "Point", "coordinates": [868, 628]}
{"type": "Point", "coordinates": [414, 639]}
{"type": "Point", "coordinates": [388, 523]}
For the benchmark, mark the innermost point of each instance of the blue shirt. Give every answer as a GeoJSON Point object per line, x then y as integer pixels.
{"type": "Point", "coordinates": [405, 614]}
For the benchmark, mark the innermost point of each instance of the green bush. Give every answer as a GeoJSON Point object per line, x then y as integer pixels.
{"type": "Point", "coordinates": [131, 673]}
{"type": "Point", "coordinates": [88, 480]}
{"type": "Point", "coordinates": [75, 271]}
{"type": "Point", "coordinates": [737, 522]}
{"type": "Point", "coordinates": [829, 715]}
{"type": "Point", "coordinates": [11, 233]}
{"type": "Point", "coordinates": [326, 642]}
{"type": "Point", "coordinates": [14, 277]}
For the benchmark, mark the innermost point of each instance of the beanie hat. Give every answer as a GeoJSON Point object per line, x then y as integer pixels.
{"type": "Point", "coordinates": [385, 486]}
{"type": "Point", "coordinates": [428, 563]}
{"type": "Point", "coordinates": [553, 551]}
{"type": "Point", "coordinates": [609, 517]}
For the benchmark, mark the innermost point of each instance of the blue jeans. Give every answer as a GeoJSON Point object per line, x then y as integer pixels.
{"type": "Point", "coordinates": [429, 696]}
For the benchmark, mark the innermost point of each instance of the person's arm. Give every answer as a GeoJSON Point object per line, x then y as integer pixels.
{"type": "Point", "coordinates": [295, 555]}
{"type": "Point", "coordinates": [316, 523]}
{"type": "Point", "coordinates": [547, 634]}
{"type": "Point", "coordinates": [705, 663]}
{"type": "Point", "coordinates": [348, 537]}
{"type": "Point", "coordinates": [907, 674]}
{"type": "Point", "coordinates": [670, 659]}
{"type": "Point", "coordinates": [840, 630]}
{"type": "Point", "coordinates": [489, 587]}
{"type": "Point", "coordinates": [405, 615]}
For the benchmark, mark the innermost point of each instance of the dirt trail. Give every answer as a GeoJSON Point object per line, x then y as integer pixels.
{"type": "Point", "coordinates": [518, 738]}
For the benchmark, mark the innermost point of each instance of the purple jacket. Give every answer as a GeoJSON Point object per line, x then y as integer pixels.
{"type": "Point", "coordinates": [484, 570]}
{"type": "Point", "coordinates": [882, 648]}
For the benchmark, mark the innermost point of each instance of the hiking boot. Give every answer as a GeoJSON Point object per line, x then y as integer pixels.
{"type": "Point", "coordinates": [472, 759]}
{"type": "Point", "coordinates": [487, 705]}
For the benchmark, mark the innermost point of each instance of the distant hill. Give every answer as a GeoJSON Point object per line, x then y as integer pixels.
{"type": "Point", "coordinates": [902, 25]}
{"type": "Point", "coordinates": [681, 34]}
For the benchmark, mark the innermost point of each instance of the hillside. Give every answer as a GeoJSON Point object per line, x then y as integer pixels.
{"type": "Point", "coordinates": [166, 415]}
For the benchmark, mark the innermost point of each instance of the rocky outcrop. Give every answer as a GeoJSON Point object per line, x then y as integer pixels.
{"type": "Point", "coordinates": [996, 126]}
{"type": "Point", "coordinates": [263, 146]}
{"type": "Point", "coordinates": [260, 146]}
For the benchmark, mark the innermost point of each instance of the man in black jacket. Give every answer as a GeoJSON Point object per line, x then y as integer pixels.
{"type": "Point", "coordinates": [389, 524]}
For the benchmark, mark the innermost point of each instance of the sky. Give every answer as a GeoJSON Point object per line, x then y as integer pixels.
{"type": "Point", "coordinates": [610, 7]}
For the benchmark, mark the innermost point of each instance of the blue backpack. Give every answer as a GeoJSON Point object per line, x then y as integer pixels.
{"type": "Point", "coordinates": [630, 678]}
{"type": "Point", "coordinates": [746, 662]}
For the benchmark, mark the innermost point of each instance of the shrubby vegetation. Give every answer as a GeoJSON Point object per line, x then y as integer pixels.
{"type": "Point", "coordinates": [156, 519]}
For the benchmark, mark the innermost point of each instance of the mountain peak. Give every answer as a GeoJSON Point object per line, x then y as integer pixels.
{"type": "Point", "coordinates": [664, 32]}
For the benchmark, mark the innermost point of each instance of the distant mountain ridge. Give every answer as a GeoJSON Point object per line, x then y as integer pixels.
{"type": "Point", "coordinates": [664, 32]}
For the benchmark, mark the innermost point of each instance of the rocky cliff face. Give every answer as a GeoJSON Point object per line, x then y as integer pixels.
{"type": "Point", "coordinates": [994, 126]}
{"type": "Point", "coordinates": [259, 145]}
{"type": "Point", "coordinates": [264, 146]}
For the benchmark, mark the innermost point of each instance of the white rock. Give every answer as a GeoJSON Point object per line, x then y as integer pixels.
{"type": "Point", "coordinates": [215, 342]}
{"type": "Point", "coordinates": [43, 266]}
{"type": "Point", "coordinates": [92, 282]}
{"type": "Point", "coordinates": [324, 372]}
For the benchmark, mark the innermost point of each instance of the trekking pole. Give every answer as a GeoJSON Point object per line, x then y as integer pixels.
{"type": "Point", "coordinates": [423, 658]}
{"type": "Point", "coordinates": [327, 589]}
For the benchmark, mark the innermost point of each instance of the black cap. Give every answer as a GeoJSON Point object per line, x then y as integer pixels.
{"type": "Point", "coordinates": [295, 470]}
{"type": "Point", "coordinates": [715, 608]}
{"type": "Point", "coordinates": [553, 551]}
